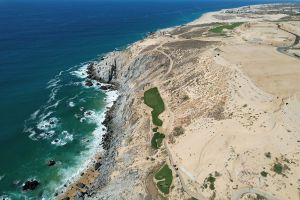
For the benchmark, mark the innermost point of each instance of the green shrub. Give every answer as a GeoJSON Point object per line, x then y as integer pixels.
{"type": "Point", "coordinates": [264, 174]}
{"type": "Point", "coordinates": [209, 182]}
{"type": "Point", "coordinates": [268, 154]}
{"type": "Point", "coordinates": [155, 129]}
{"type": "Point", "coordinates": [278, 168]}
{"type": "Point", "coordinates": [178, 131]}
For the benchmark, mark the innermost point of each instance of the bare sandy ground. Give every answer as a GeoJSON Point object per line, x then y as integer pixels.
{"type": "Point", "coordinates": [261, 108]}
{"type": "Point", "coordinates": [235, 95]}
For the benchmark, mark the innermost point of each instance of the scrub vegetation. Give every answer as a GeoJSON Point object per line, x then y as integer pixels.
{"type": "Point", "coordinates": [278, 168]}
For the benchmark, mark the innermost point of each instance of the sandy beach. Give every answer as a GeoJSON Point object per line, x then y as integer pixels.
{"type": "Point", "coordinates": [230, 82]}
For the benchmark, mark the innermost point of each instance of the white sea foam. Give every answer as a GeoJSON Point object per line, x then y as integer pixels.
{"type": "Point", "coordinates": [53, 93]}
{"type": "Point", "coordinates": [71, 104]}
{"type": "Point", "coordinates": [64, 139]}
{"type": "Point", "coordinates": [53, 83]}
{"type": "Point", "coordinates": [50, 133]}
{"type": "Point", "coordinates": [89, 114]}
{"type": "Point", "coordinates": [55, 104]}
{"type": "Point", "coordinates": [5, 197]}
{"type": "Point", "coordinates": [32, 133]}
{"type": "Point", "coordinates": [46, 135]}
{"type": "Point", "coordinates": [44, 116]}
{"type": "Point", "coordinates": [34, 115]}
{"type": "Point", "coordinates": [82, 100]}
{"type": "Point", "coordinates": [88, 157]}
{"type": "Point", "coordinates": [2, 177]}
{"type": "Point", "coordinates": [111, 97]}
{"type": "Point", "coordinates": [58, 142]}
{"type": "Point", "coordinates": [47, 124]}
{"type": "Point", "coordinates": [77, 95]}
{"type": "Point", "coordinates": [81, 72]}
{"type": "Point", "coordinates": [67, 136]}
{"type": "Point", "coordinates": [82, 119]}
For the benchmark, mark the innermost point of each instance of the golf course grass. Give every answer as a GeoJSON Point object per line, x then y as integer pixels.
{"type": "Point", "coordinates": [157, 140]}
{"type": "Point", "coordinates": [153, 99]}
{"type": "Point", "coordinates": [219, 29]}
{"type": "Point", "coordinates": [165, 178]}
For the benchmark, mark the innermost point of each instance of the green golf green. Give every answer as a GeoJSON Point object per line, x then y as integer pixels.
{"type": "Point", "coordinates": [165, 178]}
{"type": "Point", "coordinates": [157, 140]}
{"type": "Point", "coordinates": [153, 99]}
{"type": "Point", "coordinates": [219, 29]}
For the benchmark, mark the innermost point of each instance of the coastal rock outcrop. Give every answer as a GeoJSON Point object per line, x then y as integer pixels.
{"type": "Point", "coordinates": [51, 163]}
{"type": "Point", "coordinates": [88, 83]}
{"type": "Point", "coordinates": [97, 165]}
{"type": "Point", "coordinates": [30, 185]}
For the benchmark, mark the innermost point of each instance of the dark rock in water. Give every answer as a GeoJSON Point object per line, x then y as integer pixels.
{"type": "Point", "coordinates": [80, 185]}
{"type": "Point", "coordinates": [90, 68]}
{"type": "Point", "coordinates": [90, 76]}
{"type": "Point", "coordinates": [30, 185]}
{"type": "Point", "coordinates": [66, 198]}
{"type": "Point", "coordinates": [104, 87]}
{"type": "Point", "coordinates": [97, 165]}
{"type": "Point", "coordinates": [51, 163]}
{"type": "Point", "coordinates": [88, 83]}
{"type": "Point", "coordinates": [88, 113]}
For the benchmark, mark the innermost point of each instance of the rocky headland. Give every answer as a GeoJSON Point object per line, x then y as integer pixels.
{"type": "Point", "coordinates": [231, 110]}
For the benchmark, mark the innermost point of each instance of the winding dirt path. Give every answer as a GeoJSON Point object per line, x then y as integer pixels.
{"type": "Point", "coordinates": [238, 194]}
{"type": "Point", "coordinates": [171, 61]}
{"type": "Point", "coordinates": [285, 49]}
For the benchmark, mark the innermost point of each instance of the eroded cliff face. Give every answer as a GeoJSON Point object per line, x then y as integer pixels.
{"type": "Point", "coordinates": [127, 162]}
{"type": "Point", "coordinates": [154, 62]}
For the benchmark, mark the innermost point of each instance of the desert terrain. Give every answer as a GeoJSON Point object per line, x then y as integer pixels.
{"type": "Point", "coordinates": [230, 85]}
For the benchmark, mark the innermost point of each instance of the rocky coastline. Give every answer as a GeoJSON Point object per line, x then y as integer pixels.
{"type": "Point", "coordinates": [104, 159]}
{"type": "Point", "coordinates": [110, 140]}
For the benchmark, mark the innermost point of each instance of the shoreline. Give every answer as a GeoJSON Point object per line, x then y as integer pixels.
{"type": "Point", "coordinates": [109, 74]}
{"type": "Point", "coordinates": [93, 75]}
{"type": "Point", "coordinates": [88, 172]}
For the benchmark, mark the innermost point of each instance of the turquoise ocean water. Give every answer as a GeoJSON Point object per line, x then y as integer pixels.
{"type": "Point", "coordinates": [46, 111]}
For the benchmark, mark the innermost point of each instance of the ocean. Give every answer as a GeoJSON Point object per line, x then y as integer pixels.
{"type": "Point", "coordinates": [47, 113]}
